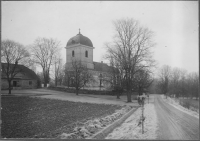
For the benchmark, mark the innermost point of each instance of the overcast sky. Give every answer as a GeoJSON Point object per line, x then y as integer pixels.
{"type": "Point", "coordinates": [175, 24]}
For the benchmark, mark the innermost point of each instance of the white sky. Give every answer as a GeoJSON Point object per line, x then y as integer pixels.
{"type": "Point", "coordinates": [175, 24]}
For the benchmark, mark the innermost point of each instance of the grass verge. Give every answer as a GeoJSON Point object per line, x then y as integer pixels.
{"type": "Point", "coordinates": [26, 117]}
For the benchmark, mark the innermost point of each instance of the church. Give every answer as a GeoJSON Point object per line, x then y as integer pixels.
{"type": "Point", "coordinates": [81, 48]}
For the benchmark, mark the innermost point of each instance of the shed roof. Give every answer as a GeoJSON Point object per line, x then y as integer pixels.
{"type": "Point", "coordinates": [28, 72]}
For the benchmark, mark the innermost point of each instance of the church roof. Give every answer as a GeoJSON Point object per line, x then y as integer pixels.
{"type": "Point", "coordinates": [80, 39]}
{"type": "Point", "coordinates": [103, 67]}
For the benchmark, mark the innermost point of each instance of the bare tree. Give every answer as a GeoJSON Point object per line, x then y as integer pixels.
{"type": "Point", "coordinates": [131, 49]}
{"type": "Point", "coordinates": [41, 78]}
{"type": "Point", "coordinates": [78, 75]}
{"type": "Point", "coordinates": [164, 78]}
{"type": "Point", "coordinates": [143, 79]}
{"type": "Point", "coordinates": [115, 73]}
{"type": "Point", "coordinates": [44, 50]}
{"type": "Point", "coordinates": [58, 70]}
{"type": "Point", "coordinates": [154, 87]}
{"type": "Point", "coordinates": [12, 54]}
{"type": "Point", "coordinates": [182, 83]}
{"type": "Point", "coordinates": [193, 85]}
{"type": "Point", "coordinates": [29, 63]}
{"type": "Point", "coordinates": [67, 78]}
{"type": "Point", "coordinates": [115, 77]}
{"type": "Point", "coordinates": [175, 81]}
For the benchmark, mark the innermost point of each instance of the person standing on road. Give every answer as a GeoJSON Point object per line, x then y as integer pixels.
{"type": "Point", "coordinates": [141, 98]}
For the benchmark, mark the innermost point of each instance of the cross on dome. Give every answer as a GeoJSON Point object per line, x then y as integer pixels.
{"type": "Point", "coordinates": [79, 31]}
{"type": "Point", "coordinates": [79, 39]}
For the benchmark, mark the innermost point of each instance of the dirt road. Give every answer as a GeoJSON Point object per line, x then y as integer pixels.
{"type": "Point", "coordinates": [175, 124]}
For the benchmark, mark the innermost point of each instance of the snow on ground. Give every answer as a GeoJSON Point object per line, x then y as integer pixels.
{"type": "Point", "coordinates": [130, 129]}
{"type": "Point", "coordinates": [178, 106]}
{"type": "Point", "coordinates": [93, 126]}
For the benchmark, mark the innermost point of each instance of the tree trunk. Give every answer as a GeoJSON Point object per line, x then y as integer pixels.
{"type": "Point", "coordinates": [9, 87]}
{"type": "Point", "coordinates": [56, 82]}
{"type": "Point", "coordinates": [46, 80]}
{"type": "Point", "coordinates": [129, 96]}
{"type": "Point", "coordinates": [68, 82]}
{"type": "Point", "coordinates": [76, 91]}
{"type": "Point", "coordinates": [100, 84]}
{"type": "Point", "coordinates": [118, 95]}
{"type": "Point", "coordinates": [45, 84]}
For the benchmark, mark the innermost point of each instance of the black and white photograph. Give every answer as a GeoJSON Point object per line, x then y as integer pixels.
{"type": "Point", "coordinates": [99, 70]}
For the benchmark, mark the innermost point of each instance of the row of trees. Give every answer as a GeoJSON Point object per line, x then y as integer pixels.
{"type": "Point", "coordinates": [129, 55]}
{"type": "Point", "coordinates": [175, 81]}
{"type": "Point", "coordinates": [45, 54]}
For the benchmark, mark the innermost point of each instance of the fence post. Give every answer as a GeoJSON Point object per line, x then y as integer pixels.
{"type": "Point", "coordinates": [143, 117]}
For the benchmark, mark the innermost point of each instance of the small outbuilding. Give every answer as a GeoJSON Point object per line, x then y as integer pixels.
{"type": "Point", "coordinates": [25, 79]}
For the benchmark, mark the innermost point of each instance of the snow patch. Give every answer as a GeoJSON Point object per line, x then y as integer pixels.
{"type": "Point", "coordinates": [93, 126]}
{"type": "Point", "coordinates": [181, 108]}
{"type": "Point", "coordinates": [130, 129]}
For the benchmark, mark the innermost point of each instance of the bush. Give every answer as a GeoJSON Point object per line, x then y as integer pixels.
{"type": "Point", "coordinates": [185, 104]}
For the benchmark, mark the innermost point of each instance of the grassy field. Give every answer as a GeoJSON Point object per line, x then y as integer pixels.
{"type": "Point", "coordinates": [26, 117]}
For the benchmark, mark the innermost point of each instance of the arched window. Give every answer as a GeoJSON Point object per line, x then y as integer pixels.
{"type": "Point", "coordinates": [86, 53]}
{"type": "Point", "coordinates": [73, 53]}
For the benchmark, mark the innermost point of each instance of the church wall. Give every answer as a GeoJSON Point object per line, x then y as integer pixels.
{"type": "Point", "coordinates": [95, 84]}
{"type": "Point", "coordinates": [89, 59]}
{"type": "Point", "coordinates": [77, 54]}
{"type": "Point", "coordinates": [90, 54]}
{"type": "Point", "coordinates": [79, 50]}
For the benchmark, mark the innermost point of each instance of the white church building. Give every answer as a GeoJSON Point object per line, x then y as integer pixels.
{"type": "Point", "coordinates": [81, 48]}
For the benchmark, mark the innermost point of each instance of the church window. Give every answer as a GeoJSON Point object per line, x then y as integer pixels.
{"type": "Point", "coordinates": [73, 53]}
{"type": "Point", "coordinates": [86, 53]}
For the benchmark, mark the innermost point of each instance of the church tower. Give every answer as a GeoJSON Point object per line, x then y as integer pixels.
{"type": "Point", "coordinates": [80, 48]}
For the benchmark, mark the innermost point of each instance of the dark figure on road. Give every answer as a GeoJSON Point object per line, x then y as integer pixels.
{"type": "Point", "coordinates": [141, 99]}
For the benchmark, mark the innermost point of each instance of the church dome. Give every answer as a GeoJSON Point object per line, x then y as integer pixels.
{"type": "Point", "coordinates": [80, 39]}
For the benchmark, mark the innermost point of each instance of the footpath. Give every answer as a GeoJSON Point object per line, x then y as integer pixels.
{"type": "Point", "coordinates": [131, 127]}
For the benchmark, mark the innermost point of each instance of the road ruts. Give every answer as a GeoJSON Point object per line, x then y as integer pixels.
{"type": "Point", "coordinates": [175, 124]}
